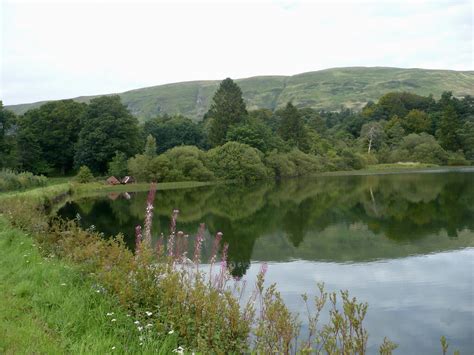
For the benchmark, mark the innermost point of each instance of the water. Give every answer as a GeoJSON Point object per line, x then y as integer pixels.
{"type": "Point", "coordinates": [404, 243]}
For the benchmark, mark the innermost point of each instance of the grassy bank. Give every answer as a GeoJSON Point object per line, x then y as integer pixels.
{"type": "Point", "coordinates": [49, 307]}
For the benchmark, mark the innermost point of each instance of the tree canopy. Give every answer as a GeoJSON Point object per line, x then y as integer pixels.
{"type": "Point", "coordinates": [107, 127]}
{"type": "Point", "coordinates": [227, 109]}
{"type": "Point", "coordinates": [47, 136]}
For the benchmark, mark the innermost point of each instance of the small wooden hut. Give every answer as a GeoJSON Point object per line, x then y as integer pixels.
{"type": "Point", "coordinates": [113, 181]}
{"type": "Point", "coordinates": [128, 180]}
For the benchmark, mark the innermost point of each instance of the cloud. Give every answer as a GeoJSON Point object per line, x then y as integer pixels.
{"type": "Point", "coordinates": [63, 49]}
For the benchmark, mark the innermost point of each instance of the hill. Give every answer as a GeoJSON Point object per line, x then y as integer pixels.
{"type": "Point", "coordinates": [328, 89]}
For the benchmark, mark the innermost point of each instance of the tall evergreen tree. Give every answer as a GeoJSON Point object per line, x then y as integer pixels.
{"type": "Point", "coordinates": [448, 130]}
{"type": "Point", "coordinates": [107, 127]}
{"type": "Point", "coordinates": [228, 108]}
{"type": "Point", "coordinates": [292, 128]}
{"type": "Point", "coordinates": [150, 146]}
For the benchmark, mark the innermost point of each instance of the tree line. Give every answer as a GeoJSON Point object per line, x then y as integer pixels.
{"type": "Point", "coordinates": [232, 142]}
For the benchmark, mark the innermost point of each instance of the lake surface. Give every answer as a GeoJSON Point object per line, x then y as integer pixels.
{"type": "Point", "coordinates": [404, 243]}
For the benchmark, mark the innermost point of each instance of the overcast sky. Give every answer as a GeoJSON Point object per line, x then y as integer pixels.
{"type": "Point", "coordinates": [61, 49]}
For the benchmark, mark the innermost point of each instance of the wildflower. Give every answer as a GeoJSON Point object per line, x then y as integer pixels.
{"type": "Point", "coordinates": [137, 322]}
{"type": "Point", "coordinates": [98, 291]}
{"type": "Point", "coordinates": [114, 320]}
{"type": "Point", "coordinates": [113, 347]}
{"type": "Point", "coordinates": [198, 246]}
{"type": "Point", "coordinates": [148, 313]}
{"type": "Point", "coordinates": [179, 350]}
{"type": "Point", "coordinates": [63, 284]}
{"type": "Point", "coordinates": [171, 332]}
{"type": "Point", "coordinates": [110, 314]}
{"type": "Point", "coordinates": [138, 236]}
{"type": "Point", "coordinates": [149, 213]}
{"type": "Point", "coordinates": [149, 325]}
{"type": "Point", "coordinates": [140, 328]}
{"type": "Point", "coordinates": [128, 315]}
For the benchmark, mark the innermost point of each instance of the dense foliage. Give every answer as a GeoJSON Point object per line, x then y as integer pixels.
{"type": "Point", "coordinates": [10, 180]}
{"type": "Point", "coordinates": [107, 127]}
{"type": "Point", "coordinates": [246, 145]}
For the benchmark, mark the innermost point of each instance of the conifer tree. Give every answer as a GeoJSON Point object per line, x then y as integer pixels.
{"type": "Point", "coordinates": [448, 131]}
{"type": "Point", "coordinates": [150, 146]}
{"type": "Point", "coordinates": [291, 127]}
{"type": "Point", "coordinates": [227, 109]}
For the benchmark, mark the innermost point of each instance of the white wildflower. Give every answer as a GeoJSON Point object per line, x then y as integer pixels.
{"type": "Point", "coordinates": [171, 332]}
{"type": "Point", "coordinates": [148, 313]}
{"type": "Point", "coordinates": [179, 350]}
{"type": "Point", "coordinates": [149, 325]}
{"type": "Point", "coordinates": [110, 313]}
{"type": "Point", "coordinates": [140, 328]}
{"type": "Point", "coordinates": [114, 320]}
{"type": "Point", "coordinates": [137, 322]}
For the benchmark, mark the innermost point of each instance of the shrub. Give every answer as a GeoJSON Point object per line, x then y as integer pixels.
{"type": "Point", "coordinates": [237, 161]}
{"type": "Point", "coordinates": [10, 180]}
{"type": "Point", "coordinates": [118, 165]}
{"type": "Point", "coordinates": [140, 167]}
{"type": "Point", "coordinates": [189, 163]}
{"type": "Point", "coordinates": [457, 159]}
{"type": "Point", "coordinates": [182, 163]}
{"type": "Point", "coordinates": [84, 175]}
{"type": "Point", "coordinates": [422, 148]}
{"type": "Point", "coordinates": [306, 164]}
{"type": "Point", "coordinates": [280, 164]}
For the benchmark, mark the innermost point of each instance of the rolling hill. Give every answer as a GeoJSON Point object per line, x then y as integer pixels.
{"type": "Point", "coordinates": [328, 89]}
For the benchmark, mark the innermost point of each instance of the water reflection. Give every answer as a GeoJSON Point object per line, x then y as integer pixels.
{"type": "Point", "coordinates": [343, 219]}
{"type": "Point", "coordinates": [403, 243]}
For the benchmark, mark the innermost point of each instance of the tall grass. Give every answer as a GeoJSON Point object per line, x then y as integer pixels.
{"type": "Point", "coordinates": [11, 181]}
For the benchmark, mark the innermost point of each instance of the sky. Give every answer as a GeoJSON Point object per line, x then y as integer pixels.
{"type": "Point", "coordinates": [63, 49]}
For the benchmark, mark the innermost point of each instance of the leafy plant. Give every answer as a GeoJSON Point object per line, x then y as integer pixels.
{"type": "Point", "coordinates": [84, 175]}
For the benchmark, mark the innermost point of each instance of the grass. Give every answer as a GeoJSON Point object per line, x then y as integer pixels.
{"type": "Point", "coordinates": [49, 307]}
{"type": "Point", "coordinates": [324, 89]}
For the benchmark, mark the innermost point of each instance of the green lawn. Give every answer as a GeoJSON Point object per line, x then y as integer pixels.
{"type": "Point", "coordinates": [49, 307]}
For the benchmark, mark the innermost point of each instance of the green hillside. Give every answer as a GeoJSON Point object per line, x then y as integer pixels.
{"type": "Point", "coordinates": [325, 89]}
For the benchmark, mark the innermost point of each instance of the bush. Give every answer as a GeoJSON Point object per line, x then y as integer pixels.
{"type": "Point", "coordinates": [457, 159]}
{"type": "Point", "coordinates": [118, 165]}
{"type": "Point", "coordinates": [280, 165]}
{"type": "Point", "coordinates": [189, 163]}
{"type": "Point", "coordinates": [422, 148]}
{"type": "Point", "coordinates": [237, 161]}
{"type": "Point", "coordinates": [84, 175]}
{"type": "Point", "coordinates": [182, 163]}
{"type": "Point", "coordinates": [10, 180]}
{"type": "Point", "coordinates": [140, 168]}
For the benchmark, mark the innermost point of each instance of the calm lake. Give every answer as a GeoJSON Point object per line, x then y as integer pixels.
{"type": "Point", "coordinates": [404, 243]}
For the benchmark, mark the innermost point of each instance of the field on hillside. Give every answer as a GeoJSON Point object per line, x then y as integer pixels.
{"type": "Point", "coordinates": [325, 89]}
